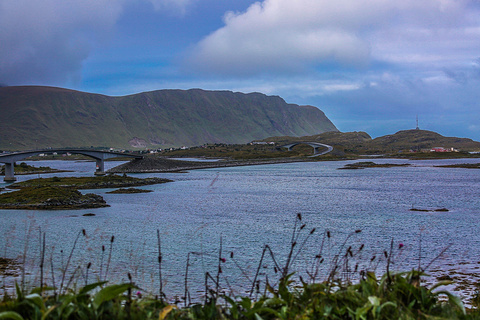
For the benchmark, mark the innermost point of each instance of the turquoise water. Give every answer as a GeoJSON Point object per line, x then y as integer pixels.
{"type": "Point", "coordinates": [248, 207]}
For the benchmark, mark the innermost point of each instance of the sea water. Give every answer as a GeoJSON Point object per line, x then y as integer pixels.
{"type": "Point", "coordinates": [241, 209]}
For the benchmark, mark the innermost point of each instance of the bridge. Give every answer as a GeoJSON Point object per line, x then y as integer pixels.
{"type": "Point", "coordinates": [9, 159]}
{"type": "Point", "coordinates": [315, 145]}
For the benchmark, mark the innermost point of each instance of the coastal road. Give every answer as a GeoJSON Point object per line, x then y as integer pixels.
{"type": "Point", "coordinates": [329, 149]}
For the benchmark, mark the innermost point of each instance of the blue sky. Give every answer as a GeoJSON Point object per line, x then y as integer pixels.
{"type": "Point", "coordinates": [370, 65]}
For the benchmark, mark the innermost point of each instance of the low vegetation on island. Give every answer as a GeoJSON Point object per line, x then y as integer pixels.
{"type": "Point", "coordinates": [62, 192]}
{"type": "Point", "coordinates": [371, 164]}
{"type": "Point", "coordinates": [50, 198]}
{"type": "Point", "coordinates": [98, 182]}
{"type": "Point", "coordinates": [410, 144]}
{"type": "Point", "coordinates": [129, 190]}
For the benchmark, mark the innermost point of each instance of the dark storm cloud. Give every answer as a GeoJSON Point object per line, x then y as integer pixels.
{"type": "Point", "coordinates": [47, 41]}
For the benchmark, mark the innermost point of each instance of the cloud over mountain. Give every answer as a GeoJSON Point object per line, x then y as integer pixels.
{"type": "Point", "coordinates": [286, 36]}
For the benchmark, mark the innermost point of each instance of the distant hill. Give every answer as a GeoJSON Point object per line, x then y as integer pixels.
{"type": "Point", "coordinates": [39, 117]}
{"type": "Point", "coordinates": [361, 142]}
{"type": "Point", "coordinates": [418, 140]}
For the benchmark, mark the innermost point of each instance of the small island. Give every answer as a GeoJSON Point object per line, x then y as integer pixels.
{"type": "Point", "coordinates": [62, 192]}
{"type": "Point", "coordinates": [370, 164]}
{"type": "Point", "coordinates": [98, 182]}
{"type": "Point", "coordinates": [430, 210]}
{"type": "Point", "coordinates": [129, 190]}
{"type": "Point", "coordinates": [50, 198]}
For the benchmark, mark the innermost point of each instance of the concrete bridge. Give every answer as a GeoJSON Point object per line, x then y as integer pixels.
{"type": "Point", "coordinates": [315, 145]}
{"type": "Point", "coordinates": [9, 159]}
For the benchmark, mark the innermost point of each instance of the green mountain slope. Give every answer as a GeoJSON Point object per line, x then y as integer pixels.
{"type": "Point", "coordinates": [39, 117]}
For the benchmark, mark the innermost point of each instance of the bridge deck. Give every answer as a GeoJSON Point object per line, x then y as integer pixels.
{"type": "Point", "coordinates": [9, 159]}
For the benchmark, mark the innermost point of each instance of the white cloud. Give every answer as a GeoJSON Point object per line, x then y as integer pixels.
{"type": "Point", "coordinates": [342, 87]}
{"type": "Point", "coordinates": [284, 36]}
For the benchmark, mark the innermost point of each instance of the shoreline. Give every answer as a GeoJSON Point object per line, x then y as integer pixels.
{"type": "Point", "coordinates": [162, 165]}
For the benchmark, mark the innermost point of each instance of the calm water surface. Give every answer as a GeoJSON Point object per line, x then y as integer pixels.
{"type": "Point", "coordinates": [248, 207]}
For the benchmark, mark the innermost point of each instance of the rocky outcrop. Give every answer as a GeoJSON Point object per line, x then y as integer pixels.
{"type": "Point", "coordinates": [50, 198]}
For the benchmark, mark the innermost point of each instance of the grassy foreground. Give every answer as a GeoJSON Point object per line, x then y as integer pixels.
{"type": "Point", "coordinates": [393, 296]}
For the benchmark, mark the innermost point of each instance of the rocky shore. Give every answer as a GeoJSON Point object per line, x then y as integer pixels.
{"type": "Point", "coordinates": [160, 164]}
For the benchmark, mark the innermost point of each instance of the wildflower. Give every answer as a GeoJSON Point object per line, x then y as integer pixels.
{"type": "Point", "coordinates": [400, 245]}
{"type": "Point", "coordinates": [223, 260]}
{"type": "Point", "coordinates": [139, 294]}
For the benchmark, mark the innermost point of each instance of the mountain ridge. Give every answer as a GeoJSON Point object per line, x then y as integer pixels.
{"type": "Point", "coordinates": [38, 117]}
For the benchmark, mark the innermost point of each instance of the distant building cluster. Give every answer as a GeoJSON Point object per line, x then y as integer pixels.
{"type": "Point", "coordinates": [262, 142]}
{"type": "Point", "coordinates": [435, 149]}
{"type": "Point", "coordinates": [442, 149]}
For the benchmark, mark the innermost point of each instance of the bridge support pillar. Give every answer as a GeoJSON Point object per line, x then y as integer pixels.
{"type": "Point", "coordinates": [100, 171]}
{"type": "Point", "coordinates": [9, 172]}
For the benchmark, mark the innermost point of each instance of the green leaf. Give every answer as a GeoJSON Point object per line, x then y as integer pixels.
{"type": "Point", "coordinates": [40, 290]}
{"type": "Point", "coordinates": [10, 315]}
{"type": "Point", "coordinates": [36, 300]}
{"type": "Point", "coordinates": [439, 284]}
{"type": "Point", "coordinates": [374, 301]}
{"type": "Point", "coordinates": [90, 287]}
{"type": "Point", "coordinates": [50, 310]}
{"type": "Point", "coordinates": [19, 292]}
{"type": "Point", "coordinates": [453, 299]}
{"type": "Point", "coordinates": [257, 317]}
{"type": "Point", "coordinates": [110, 293]}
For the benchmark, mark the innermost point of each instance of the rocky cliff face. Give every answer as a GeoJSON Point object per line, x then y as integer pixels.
{"type": "Point", "coordinates": [38, 117]}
